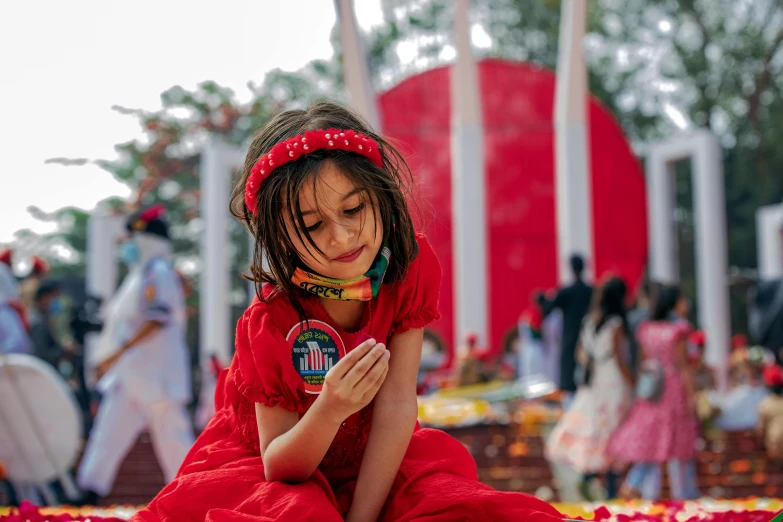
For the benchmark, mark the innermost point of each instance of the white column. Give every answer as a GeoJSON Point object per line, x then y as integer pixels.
{"type": "Point", "coordinates": [769, 240]}
{"type": "Point", "coordinates": [712, 252]}
{"type": "Point", "coordinates": [660, 220]}
{"type": "Point", "coordinates": [572, 161]}
{"type": "Point", "coordinates": [469, 232]}
{"type": "Point", "coordinates": [218, 163]}
{"type": "Point", "coordinates": [215, 303]}
{"type": "Point", "coordinates": [711, 244]}
{"type": "Point", "coordinates": [355, 68]}
{"type": "Point", "coordinates": [103, 232]}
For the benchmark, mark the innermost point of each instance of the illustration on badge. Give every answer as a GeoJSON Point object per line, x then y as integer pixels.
{"type": "Point", "coordinates": [315, 348]}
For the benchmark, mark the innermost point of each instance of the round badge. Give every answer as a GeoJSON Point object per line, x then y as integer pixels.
{"type": "Point", "coordinates": [315, 349]}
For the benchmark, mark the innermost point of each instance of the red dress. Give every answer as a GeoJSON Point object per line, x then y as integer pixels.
{"type": "Point", "coordinates": [222, 478]}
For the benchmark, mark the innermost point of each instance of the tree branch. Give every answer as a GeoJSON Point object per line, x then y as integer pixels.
{"type": "Point", "coordinates": [706, 102]}
{"type": "Point", "coordinates": [768, 18]}
{"type": "Point", "coordinates": [763, 82]}
{"type": "Point", "coordinates": [763, 79]}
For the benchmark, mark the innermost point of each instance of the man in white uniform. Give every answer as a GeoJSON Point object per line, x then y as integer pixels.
{"type": "Point", "coordinates": [142, 362]}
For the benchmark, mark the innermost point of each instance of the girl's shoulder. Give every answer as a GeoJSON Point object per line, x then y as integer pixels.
{"type": "Point", "coordinates": [426, 261]}
{"type": "Point", "coordinates": [423, 268]}
{"type": "Point", "coordinates": [272, 308]}
{"type": "Point", "coordinates": [676, 327]}
{"type": "Point", "coordinates": [413, 302]}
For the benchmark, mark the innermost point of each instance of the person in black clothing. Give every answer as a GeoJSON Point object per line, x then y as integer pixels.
{"type": "Point", "coordinates": [573, 301]}
{"type": "Point", "coordinates": [47, 303]}
{"type": "Point", "coordinates": [84, 320]}
{"type": "Point", "coordinates": [765, 320]}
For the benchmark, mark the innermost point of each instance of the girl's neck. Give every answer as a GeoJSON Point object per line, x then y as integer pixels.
{"type": "Point", "coordinates": [347, 314]}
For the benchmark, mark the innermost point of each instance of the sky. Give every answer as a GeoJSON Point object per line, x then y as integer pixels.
{"type": "Point", "coordinates": [66, 63]}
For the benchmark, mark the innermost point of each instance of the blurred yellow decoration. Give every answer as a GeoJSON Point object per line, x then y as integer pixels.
{"type": "Point", "coordinates": [466, 392]}
{"type": "Point", "coordinates": [452, 412]}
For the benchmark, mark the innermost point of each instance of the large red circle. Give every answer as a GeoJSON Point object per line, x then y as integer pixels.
{"type": "Point", "coordinates": [517, 105]}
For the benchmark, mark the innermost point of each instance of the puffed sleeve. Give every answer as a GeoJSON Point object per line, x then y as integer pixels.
{"type": "Point", "coordinates": [417, 303]}
{"type": "Point", "coordinates": [264, 371]}
{"type": "Point", "coordinates": [682, 329]}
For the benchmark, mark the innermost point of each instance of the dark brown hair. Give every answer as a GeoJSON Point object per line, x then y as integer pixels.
{"type": "Point", "coordinates": [388, 190]}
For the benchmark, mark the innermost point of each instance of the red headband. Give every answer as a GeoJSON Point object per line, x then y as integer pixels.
{"type": "Point", "coordinates": [294, 148]}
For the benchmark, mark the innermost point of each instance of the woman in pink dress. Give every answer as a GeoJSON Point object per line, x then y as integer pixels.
{"type": "Point", "coordinates": [664, 429]}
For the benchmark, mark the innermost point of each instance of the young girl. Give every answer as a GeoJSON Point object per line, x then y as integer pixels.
{"type": "Point", "coordinates": [663, 429]}
{"type": "Point", "coordinates": [582, 435]}
{"type": "Point", "coordinates": [316, 416]}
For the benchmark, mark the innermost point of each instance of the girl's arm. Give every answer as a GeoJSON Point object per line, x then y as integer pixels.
{"type": "Point", "coordinates": [618, 340]}
{"type": "Point", "coordinates": [581, 354]}
{"type": "Point", "coordinates": [394, 416]}
{"type": "Point", "coordinates": [292, 448]}
{"type": "Point", "coordinates": [681, 359]}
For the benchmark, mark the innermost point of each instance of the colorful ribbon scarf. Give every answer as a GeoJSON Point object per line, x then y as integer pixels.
{"type": "Point", "coordinates": [362, 288]}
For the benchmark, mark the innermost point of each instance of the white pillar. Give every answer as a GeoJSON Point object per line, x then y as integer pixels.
{"type": "Point", "coordinates": [355, 68]}
{"type": "Point", "coordinates": [769, 239]}
{"type": "Point", "coordinates": [712, 252]}
{"type": "Point", "coordinates": [572, 161]}
{"type": "Point", "coordinates": [103, 232]}
{"type": "Point", "coordinates": [469, 233]}
{"type": "Point", "coordinates": [711, 244]}
{"type": "Point", "coordinates": [215, 293]}
{"type": "Point", "coordinates": [660, 220]}
{"type": "Point", "coordinates": [218, 162]}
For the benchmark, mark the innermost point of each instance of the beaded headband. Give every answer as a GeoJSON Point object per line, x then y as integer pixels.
{"type": "Point", "coordinates": [311, 141]}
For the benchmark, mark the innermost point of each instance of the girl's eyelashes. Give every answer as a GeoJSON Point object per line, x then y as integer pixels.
{"type": "Point", "coordinates": [356, 209]}
{"type": "Point", "coordinates": [350, 212]}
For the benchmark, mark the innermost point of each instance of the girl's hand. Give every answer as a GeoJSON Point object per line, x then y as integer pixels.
{"type": "Point", "coordinates": [353, 382]}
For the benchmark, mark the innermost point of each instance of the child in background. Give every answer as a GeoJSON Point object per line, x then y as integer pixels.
{"type": "Point", "coordinates": [738, 409]}
{"type": "Point", "coordinates": [770, 425]}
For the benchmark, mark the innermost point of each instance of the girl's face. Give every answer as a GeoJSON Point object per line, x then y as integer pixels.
{"type": "Point", "coordinates": [683, 307]}
{"type": "Point", "coordinates": [342, 222]}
